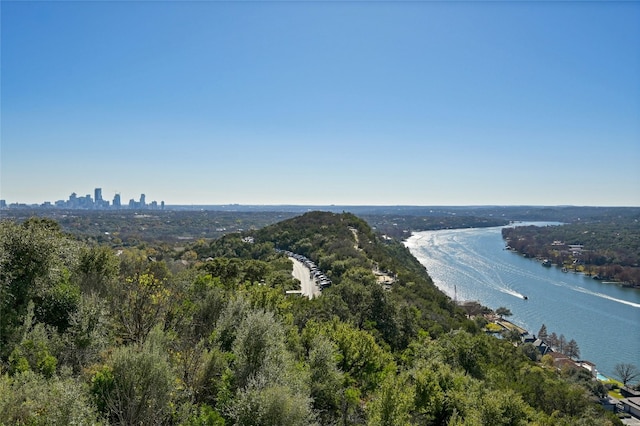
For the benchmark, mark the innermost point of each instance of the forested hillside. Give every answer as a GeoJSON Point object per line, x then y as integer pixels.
{"type": "Point", "coordinates": [91, 335]}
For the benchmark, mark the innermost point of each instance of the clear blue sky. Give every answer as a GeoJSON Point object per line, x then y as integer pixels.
{"type": "Point", "coordinates": [295, 102]}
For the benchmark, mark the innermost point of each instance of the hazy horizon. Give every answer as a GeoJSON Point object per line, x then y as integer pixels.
{"type": "Point", "coordinates": [322, 103]}
{"type": "Point", "coordinates": [275, 205]}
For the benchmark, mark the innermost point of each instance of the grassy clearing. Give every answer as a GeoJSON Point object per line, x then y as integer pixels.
{"type": "Point", "coordinates": [615, 393]}
{"type": "Point", "coordinates": [493, 328]}
{"type": "Point", "coordinates": [615, 386]}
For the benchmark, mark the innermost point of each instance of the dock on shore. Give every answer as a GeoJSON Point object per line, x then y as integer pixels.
{"type": "Point", "coordinates": [508, 325]}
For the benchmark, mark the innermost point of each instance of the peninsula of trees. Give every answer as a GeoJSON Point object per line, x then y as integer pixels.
{"type": "Point", "coordinates": [606, 249]}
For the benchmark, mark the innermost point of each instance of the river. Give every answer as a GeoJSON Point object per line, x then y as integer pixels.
{"type": "Point", "coordinates": [472, 264]}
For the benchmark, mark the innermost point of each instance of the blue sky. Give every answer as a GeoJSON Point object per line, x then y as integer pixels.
{"type": "Point", "coordinates": [357, 103]}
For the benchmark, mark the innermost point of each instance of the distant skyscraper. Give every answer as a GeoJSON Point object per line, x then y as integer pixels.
{"type": "Point", "coordinates": [86, 202]}
{"type": "Point", "coordinates": [142, 200]}
{"type": "Point", "coordinates": [116, 201]}
{"type": "Point", "coordinates": [98, 195]}
{"type": "Point", "coordinates": [73, 200]}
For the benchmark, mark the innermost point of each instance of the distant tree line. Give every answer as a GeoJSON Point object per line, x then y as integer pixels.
{"type": "Point", "coordinates": [130, 228]}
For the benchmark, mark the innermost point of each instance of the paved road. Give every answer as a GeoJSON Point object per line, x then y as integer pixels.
{"type": "Point", "coordinates": [307, 284]}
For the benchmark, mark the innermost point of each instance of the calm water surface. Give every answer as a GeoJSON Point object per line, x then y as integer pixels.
{"type": "Point", "coordinates": [472, 264]}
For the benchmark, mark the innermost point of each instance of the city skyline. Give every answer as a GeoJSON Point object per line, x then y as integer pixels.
{"type": "Point", "coordinates": [87, 202]}
{"type": "Point", "coordinates": [97, 202]}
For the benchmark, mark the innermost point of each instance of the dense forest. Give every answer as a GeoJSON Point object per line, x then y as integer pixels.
{"type": "Point", "coordinates": [608, 250]}
{"type": "Point", "coordinates": [204, 334]}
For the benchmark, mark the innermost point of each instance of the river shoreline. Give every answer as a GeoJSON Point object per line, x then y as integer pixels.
{"type": "Point", "coordinates": [567, 270]}
{"type": "Point", "coordinates": [597, 255]}
{"type": "Point", "coordinates": [472, 264]}
{"type": "Point", "coordinates": [527, 337]}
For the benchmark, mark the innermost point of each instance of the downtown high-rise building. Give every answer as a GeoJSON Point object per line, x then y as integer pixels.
{"type": "Point", "coordinates": [89, 202]}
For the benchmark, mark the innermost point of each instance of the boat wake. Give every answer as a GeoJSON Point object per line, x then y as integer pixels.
{"type": "Point", "coordinates": [513, 293]}
{"type": "Point", "coordinates": [447, 252]}
{"type": "Point", "coordinates": [605, 296]}
{"type": "Point", "coordinates": [473, 265]}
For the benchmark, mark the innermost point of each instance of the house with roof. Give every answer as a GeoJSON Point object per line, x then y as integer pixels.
{"type": "Point", "coordinates": [528, 338]}
{"type": "Point", "coordinates": [629, 392]}
{"type": "Point", "coordinates": [589, 366]}
{"type": "Point", "coordinates": [542, 347]}
{"type": "Point", "coordinates": [561, 361]}
{"type": "Point", "coordinates": [631, 406]}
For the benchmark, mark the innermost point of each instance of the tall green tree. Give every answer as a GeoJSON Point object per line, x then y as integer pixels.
{"type": "Point", "coordinates": [271, 387]}
{"type": "Point", "coordinates": [236, 309]}
{"type": "Point", "coordinates": [259, 349]}
{"type": "Point", "coordinates": [134, 387]}
{"type": "Point", "coordinates": [503, 312]}
{"type": "Point", "coordinates": [466, 351]}
{"type": "Point", "coordinates": [56, 304]}
{"type": "Point", "coordinates": [325, 378]}
{"type": "Point", "coordinates": [139, 303]}
{"type": "Point", "coordinates": [503, 408]}
{"type": "Point", "coordinates": [259, 404]}
{"type": "Point", "coordinates": [361, 358]}
{"type": "Point", "coordinates": [97, 269]}
{"type": "Point", "coordinates": [542, 333]}
{"type": "Point", "coordinates": [562, 344]}
{"type": "Point", "coordinates": [37, 348]}
{"type": "Point", "coordinates": [572, 349]}
{"type": "Point", "coordinates": [88, 334]}
{"type": "Point", "coordinates": [34, 258]}
{"type": "Point", "coordinates": [392, 402]}
{"type": "Point", "coordinates": [29, 398]}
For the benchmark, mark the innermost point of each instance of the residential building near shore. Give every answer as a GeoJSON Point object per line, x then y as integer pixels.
{"type": "Point", "coordinates": [87, 202]}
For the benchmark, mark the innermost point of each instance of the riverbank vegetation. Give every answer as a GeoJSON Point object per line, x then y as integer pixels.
{"type": "Point", "coordinates": [205, 334]}
{"type": "Point", "coordinates": [607, 250]}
